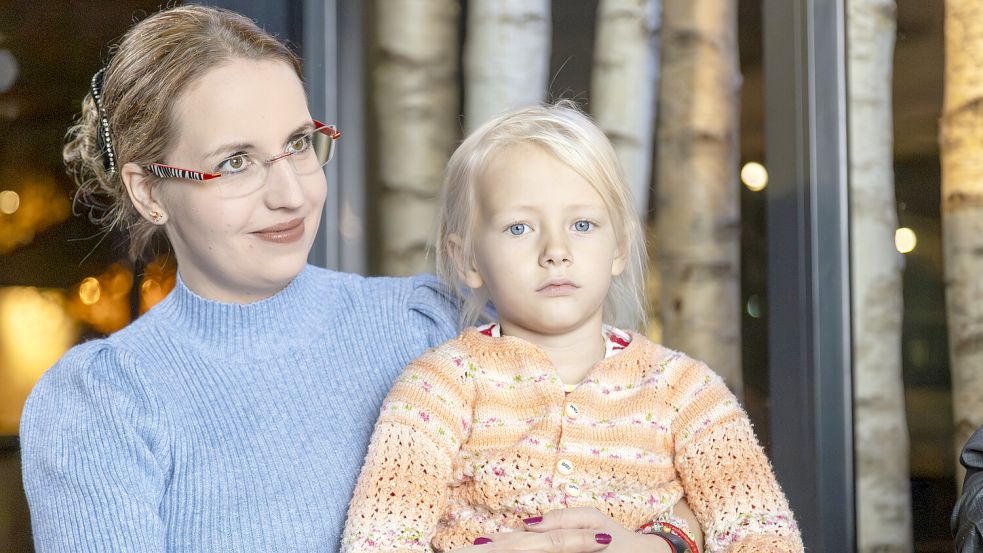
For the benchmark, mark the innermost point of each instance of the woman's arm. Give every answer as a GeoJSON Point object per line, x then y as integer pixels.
{"type": "Point", "coordinates": [402, 489]}
{"type": "Point", "coordinates": [90, 443]}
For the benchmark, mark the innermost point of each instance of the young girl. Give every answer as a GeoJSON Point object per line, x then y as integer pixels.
{"type": "Point", "coordinates": [553, 406]}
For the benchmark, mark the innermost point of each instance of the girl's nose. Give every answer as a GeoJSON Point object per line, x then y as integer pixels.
{"type": "Point", "coordinates": [556, 251]}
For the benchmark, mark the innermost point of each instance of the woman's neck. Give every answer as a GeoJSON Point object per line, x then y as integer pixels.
{"type": "Point", "coordinates": [573, 353]}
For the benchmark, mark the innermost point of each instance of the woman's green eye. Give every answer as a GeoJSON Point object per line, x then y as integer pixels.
{"type": "Point", "coordinates": [234, 164]}
{"type": "Point", "coordinates": [299, 144]}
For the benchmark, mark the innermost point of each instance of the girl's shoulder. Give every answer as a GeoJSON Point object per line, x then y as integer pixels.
{"type": "Point", "coordinates": [673, 365]}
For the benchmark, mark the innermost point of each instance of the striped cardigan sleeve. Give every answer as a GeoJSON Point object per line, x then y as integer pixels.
{"type": "Point", "coordinates": [403, 486]}
{"type": "Point", "coordinates": [727, 479]}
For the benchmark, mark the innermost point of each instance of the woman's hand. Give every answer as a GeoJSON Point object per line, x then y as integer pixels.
{"type": "Point", "coordinates": [574, 530]}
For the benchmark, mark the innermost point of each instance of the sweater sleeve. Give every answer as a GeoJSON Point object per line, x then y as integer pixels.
{"type": "Point", "coordinates": [434, 310]}
{"type": "Point", "coordinates": [727, 479]}
{"type": "Point", "coordinates": [89, 437]}
{"type": "Point", "coordinates": [403, 487]}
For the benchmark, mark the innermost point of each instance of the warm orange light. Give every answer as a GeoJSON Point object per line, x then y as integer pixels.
{"type": "Point", "coordinates": [158, 279]}
{"type": "Point", "coordinates": [9, 202]}
{"type": "Point", "coordinates": [90, 291]}
{"type": "Point", "coordinates": [35, 330]}
{"type": "Point", "coordinates": [108, 310]}
{"type": "Point", "coordinates": [39, 203]}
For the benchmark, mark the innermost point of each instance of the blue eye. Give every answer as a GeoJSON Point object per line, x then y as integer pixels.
{"type": "Point", "coordinates": [518, 229]}
{"type": "Point", "coordinates": [583, 226]}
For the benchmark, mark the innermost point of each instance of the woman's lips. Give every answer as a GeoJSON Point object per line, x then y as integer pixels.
{"type": "Point", "coordinates": [284, 233]}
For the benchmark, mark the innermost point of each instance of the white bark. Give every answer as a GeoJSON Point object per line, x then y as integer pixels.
{"type": "Point", "coordinates": [624, 83]}
{"type": "Point", "coordinates": [962, 210]}
{"type": "Point", "coordinates": [698, 223]}
{"type": "Point", "coordinates": [506, 57]}
{"type": "Point", "coordinates": [880, 426]}
{"type": "Point", "coordinates": [416, 99]}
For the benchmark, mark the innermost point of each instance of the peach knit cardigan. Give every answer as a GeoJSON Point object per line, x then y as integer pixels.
{"type": "Point", "coordinates": [478, 434]}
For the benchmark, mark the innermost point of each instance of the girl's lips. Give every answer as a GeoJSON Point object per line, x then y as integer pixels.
{"type": "Point", "coordinates": [284, 233]}
{"type": "Point", "coordinates": [557, 288]}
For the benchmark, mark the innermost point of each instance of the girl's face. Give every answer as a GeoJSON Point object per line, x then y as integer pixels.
{"type": "Point", "coordinates": [230, 247]}
{"type": "Point", "coordinates": [545, 246]}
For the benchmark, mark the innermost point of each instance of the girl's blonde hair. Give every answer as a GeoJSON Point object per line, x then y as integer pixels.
{"type": "Point", "coordinates": [157, 59]}
{"type": "Point", "coordinates": [569, 135]}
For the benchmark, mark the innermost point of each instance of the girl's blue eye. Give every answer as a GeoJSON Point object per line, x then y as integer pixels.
{"type": "Point", "coordinates": [583, 226]}
{"type": "Point", "coordinates": [518, 228]}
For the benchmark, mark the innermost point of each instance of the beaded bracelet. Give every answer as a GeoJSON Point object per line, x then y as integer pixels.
{"type": "Point", "coordinates": [676, 538]}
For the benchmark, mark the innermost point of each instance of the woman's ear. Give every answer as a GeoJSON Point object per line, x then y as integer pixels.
{"type": "Point", "coordinates": [464, 262]}
{"type": "Point", "coordinates": [138, 187]}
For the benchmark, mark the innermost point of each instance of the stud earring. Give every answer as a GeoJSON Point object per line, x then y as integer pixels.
{"type": "Point", "coordinates": [156, 216]}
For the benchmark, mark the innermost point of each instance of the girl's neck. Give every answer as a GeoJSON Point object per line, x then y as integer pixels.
{"type": "Point", "coordinates": [573, 353]}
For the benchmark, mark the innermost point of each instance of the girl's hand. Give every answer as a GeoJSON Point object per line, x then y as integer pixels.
{"type": "Point", "coordinates": [574, 530]}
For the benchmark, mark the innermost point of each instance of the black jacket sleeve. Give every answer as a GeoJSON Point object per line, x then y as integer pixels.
{"type": "Point", "coordinates": [967, 516]}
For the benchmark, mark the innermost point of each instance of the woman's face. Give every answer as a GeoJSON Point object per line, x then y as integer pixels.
{"type": "Point", "coordinates": [230, 247]}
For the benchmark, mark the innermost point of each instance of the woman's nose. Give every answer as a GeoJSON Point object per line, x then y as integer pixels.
{"type": "Point", "coordinates": [283, 187]}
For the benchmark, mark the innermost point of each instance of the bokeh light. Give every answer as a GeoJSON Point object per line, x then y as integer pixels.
{"type": "Point", "coordinates": [159, 278]}
{"type": "Point", "coordinates": [754, 176]}
{"type": "Point", "coordinates": [90, 291]}
{"type": "Point", "coordinates": [9, 202]}
{"type": "Point", "coordinates": [905, 240]}
{"type": "Point", "coordinates": [103, 302]}
{"type": "Point", "coordinates": [35, 330]}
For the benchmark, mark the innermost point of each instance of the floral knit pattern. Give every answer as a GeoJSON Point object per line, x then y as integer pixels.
{"type": "Point", "coordinates": [478, 434]}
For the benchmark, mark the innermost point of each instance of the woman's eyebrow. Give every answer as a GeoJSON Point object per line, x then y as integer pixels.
{"type": "Point", "coordinates": [301, 130]}
{"type": "Point", "coordinates": [232, 147]}
{"type": "Point", "coordinates": [246, 146]}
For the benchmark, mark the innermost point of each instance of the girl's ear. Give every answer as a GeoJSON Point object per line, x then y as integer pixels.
{"type": "Point", "coordinates": [138, 187]}
{"type": "Point", "coordinates": [620, 260]}
{"type": "Point", "coordinates": [464, 262]}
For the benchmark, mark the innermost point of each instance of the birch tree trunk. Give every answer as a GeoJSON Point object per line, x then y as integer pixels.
{"type": "Point", "coordinates": [506, 57]}
{"type": "Point", "coordinates": [880, 427]}
{"type": "Point", "coordinates": [698, 226]}
{"type": "Point", "coordinates": [624, 82]}
{"type": "Point", "coordinates": [962, 210]}
{"type": "Point", "coordinates": [416, 99]}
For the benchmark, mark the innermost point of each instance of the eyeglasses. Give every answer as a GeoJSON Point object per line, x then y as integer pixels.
{"type": "Point", "coordinates": [244, 173]}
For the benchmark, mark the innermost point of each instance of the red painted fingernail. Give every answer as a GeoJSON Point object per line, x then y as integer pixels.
{"type": "Point", "coordinates": [482, 540]}
{"type": "Point", "coordinates": [602, 539]}
{"type": "Point", "coordinates": [532, 521]}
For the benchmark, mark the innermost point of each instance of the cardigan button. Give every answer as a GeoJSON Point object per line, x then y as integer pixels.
{"type": "Point", "coordinates": [572, 411]}
{"type": "Point", "coordinates": [565, 466]}
{"type": "Point", "coordinates": [571, 489]}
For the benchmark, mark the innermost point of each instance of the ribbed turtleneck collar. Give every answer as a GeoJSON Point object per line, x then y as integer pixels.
{"type": "Point", "coordinates": [263, 328]}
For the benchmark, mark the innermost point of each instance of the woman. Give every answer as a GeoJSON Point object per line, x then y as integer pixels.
{"type": "Point", "coordinates": [234, 415]}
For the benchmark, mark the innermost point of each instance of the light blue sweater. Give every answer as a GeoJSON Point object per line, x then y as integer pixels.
{"type": "Point", "coordinates": [217, 427]}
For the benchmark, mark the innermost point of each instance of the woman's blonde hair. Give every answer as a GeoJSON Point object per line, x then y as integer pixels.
{"type": "Point", "coordinates": [157, 59]}
{"type": "Point", "coordinates": [570, 136]}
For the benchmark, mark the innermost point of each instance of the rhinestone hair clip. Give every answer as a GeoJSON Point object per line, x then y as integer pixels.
{"type": "Point", "coordinates": [102, 134]}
